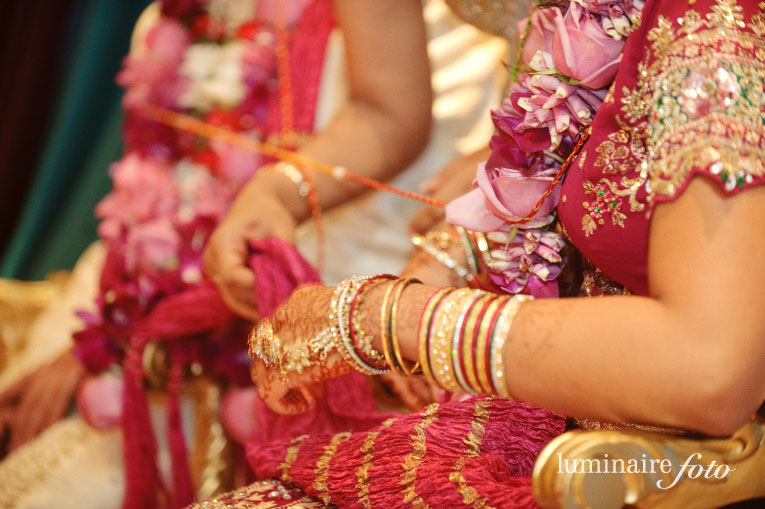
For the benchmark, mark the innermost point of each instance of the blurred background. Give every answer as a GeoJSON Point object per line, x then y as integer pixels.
{"type": "Point", "coordinates": [60, 128]}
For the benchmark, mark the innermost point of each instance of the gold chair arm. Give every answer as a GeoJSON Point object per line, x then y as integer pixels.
{"type": "Point", "coordinates": [148, 18]}
{"type": "Point", "coordinates": [649, 469]}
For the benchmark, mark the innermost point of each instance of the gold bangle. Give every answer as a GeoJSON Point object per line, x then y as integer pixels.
{"type": "Point", "coordinates": [482, 344]}
{"type": "Point", "coordinates": [423, 336]}
{"type": "Point", "coordinates": [442, 257]}
{"type": "Point", "coordinates": [295, 175]}
{"type": "Point", "coordinates": [361, 339]}
{"type": "Point", "coordinates": [341, 326]}
{"type": "Point", "coordinates": [386, 329]}
{"type": "Point", "coordinates": [483, 307]}
{"type": "Point", "coordinates": [459, 336]}
{"type": "Point", "coordinates": [392, 321]}
{"type": "Point", "coordinates": [384, 325]}
{"type": "Point", "coordinates": [439, 354]}
{"type": "Point", "coordinates": [499, 337]}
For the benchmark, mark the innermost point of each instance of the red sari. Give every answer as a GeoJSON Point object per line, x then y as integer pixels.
{"type": "Point", "coordinates": [688, 100]}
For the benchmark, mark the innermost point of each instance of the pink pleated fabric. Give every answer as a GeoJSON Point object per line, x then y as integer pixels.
{"type": "Point", "coordinates": [447, 455]}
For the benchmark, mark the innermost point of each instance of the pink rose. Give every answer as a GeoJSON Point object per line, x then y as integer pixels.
{"type": "Point", "coordinates": [258, 63]}
{"type": "Point", "coordinates": [143, 189]}
{"type": "Point", "coordinates": [236, 163]}
{"type": "Point", "coordinates": [505, 195]}
{"type": "Point", "coordinates": [152, 247]}
{"type": "Point", "coordinates": [152, 77]}
{"type": "Point", "coordinates": [582, 50]}
{"type": "Point", "coordinates": [99, 400]}
{"type": "Point", "coordinates": [541, 33]}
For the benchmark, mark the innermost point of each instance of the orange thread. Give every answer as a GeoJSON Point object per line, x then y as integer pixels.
{"type": "Point", "coordinates": [556, 179]}
{"type": "Point", "coordinates": [200, 128]}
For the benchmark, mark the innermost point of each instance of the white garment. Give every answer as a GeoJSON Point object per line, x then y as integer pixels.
{"type": "Point", "coordinates": [369, 234]}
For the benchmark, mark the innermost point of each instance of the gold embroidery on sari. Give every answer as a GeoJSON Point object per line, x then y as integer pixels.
{"type": "Point", "coordinates": [321, 474]}
{"type": "Point", "coordinates": [473, 442]}
{"type": "Point", "coordinates": [582, 159]}
{"type": "Point", "coordinates": [362, 473]}
{"type": "Point", "coordinates": [413, 459]}
{"type": "Point", "coordinates": [607, 204]}
{"type": "Point", "coordinates": [595, 283]}
{"type": "Point", "coordinates": [699, 104]}
{"type": "Point", "coordinates": [289, 458]}
{"type": "Point", "coordinates": [266, 494]}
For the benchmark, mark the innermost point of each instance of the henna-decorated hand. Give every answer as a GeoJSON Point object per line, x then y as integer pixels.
{"type": "Point", "coordinates": [296, 322]}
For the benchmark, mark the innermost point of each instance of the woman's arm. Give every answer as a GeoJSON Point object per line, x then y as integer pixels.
{"type": "Point", "coordinates": [386, 123]}
{"type": "Point", "coordinates": [690, 356]}
{"type": "Point", "coordinates": [377, 133]}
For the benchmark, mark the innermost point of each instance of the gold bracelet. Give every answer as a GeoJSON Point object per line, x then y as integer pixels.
{"type": "Point", "coordinates": [340, 324]}
{"type": "Point", "coordinates": [498, 339]}
{"type": "Point", "coordinates": [295, 175]}
{"type": "Point", "coordinates": [264, 344]}
{"type": "Point", "coordinates": [482, 344]}
{"type": "Point", "coordinates": [386, 326]}
{"type": "Point", "coordinates": [423, 335]}
{"type": "Point", "coordinates": [442, 257]}
{"type": "Point", "coordinates": [485, 304]}
{"type": "Point", "coordinates": [361, 340]}
{"type": "Point", "coordinates": [459, 336]}
{"type": "Point", "coordinates": [439, 354]}
{"type": "Point", "coordinates": [392, 321]}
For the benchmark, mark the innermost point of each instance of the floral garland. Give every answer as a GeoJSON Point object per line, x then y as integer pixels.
{"type": "Point", "coordinates": [215, 60]}
{"type": "Point", "coordinates": [569, 58]}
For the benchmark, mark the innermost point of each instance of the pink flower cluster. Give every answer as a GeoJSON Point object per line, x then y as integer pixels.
{"type": "Point", "coordinates": [570, 57]}
{"type": "Point", "coordinates": [172, 188]}
{"type": "Point", "coordinates": [526, 261]}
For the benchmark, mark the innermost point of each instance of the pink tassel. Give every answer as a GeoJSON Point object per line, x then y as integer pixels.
{"type": "Point", "coordinates": [183, 491]}
{"type": "Point", "coordinates": [142, 483]}
{"type": "Point", "coordinates": [279, 269]}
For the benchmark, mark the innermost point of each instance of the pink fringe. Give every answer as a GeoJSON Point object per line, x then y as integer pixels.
{"type": "Point", "coordinates": [279, 269]}
{"type": "Point", "coordinates": [183, 490]}
{"type": "Point", "coordinates": [142, 483]}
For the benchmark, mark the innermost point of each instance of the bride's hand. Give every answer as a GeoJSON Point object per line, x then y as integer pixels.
{"type": "Point", "coordinates": [296, 322]}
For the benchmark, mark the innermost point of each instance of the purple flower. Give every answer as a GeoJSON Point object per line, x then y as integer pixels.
{"type": "Point", "coordinates": [526, 261]}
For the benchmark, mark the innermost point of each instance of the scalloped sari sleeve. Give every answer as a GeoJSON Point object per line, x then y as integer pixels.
{"type": "Point", "coordinates": [700, 93]}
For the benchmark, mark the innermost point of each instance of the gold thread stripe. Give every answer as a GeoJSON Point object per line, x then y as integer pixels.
{"type": "Point", "coordinates": [292, 453]}
{"type": "Point", "coordinates": [321, 474]}
{"type": "Point", "coordinates": [413, 459]}
{"type": "Point", "coordinates": [362, 473]}
{"type": "Point", "coordinates": [473, 442]}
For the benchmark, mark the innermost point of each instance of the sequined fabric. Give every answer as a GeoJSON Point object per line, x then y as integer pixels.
{"type": "Point", "coordinates": [268, 494]}
{"type": "Point", "coordinates": [688, 100]}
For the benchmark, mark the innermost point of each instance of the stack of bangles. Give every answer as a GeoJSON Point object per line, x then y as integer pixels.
{"type": "Point", "coordinates": [461, 337]}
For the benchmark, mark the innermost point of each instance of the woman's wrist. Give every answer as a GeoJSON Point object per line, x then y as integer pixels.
{"type": "Point", "coordinates": [275, 182]}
